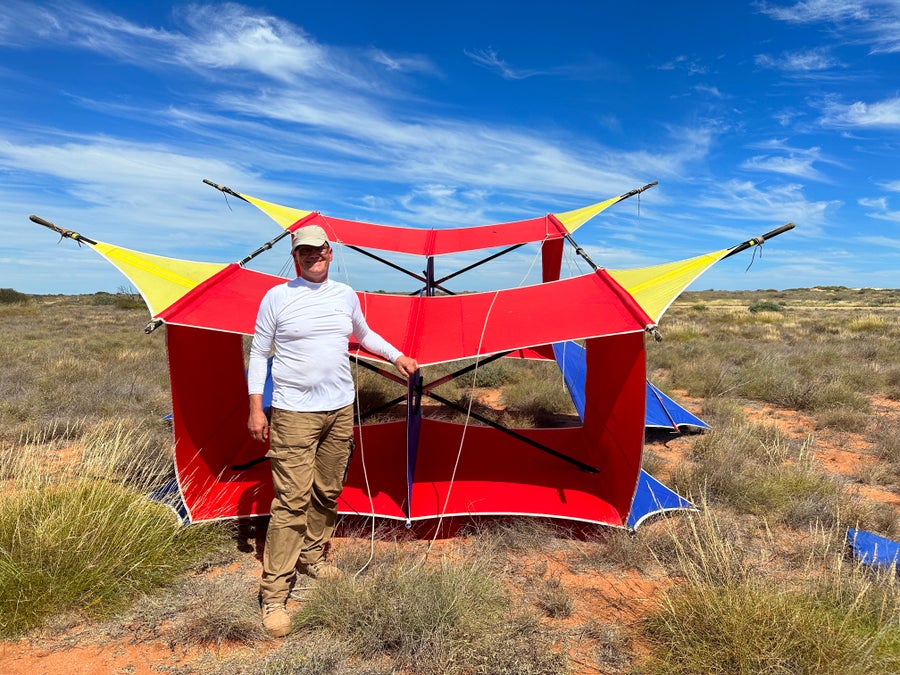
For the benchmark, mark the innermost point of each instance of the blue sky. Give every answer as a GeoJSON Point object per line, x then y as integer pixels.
{"type": "Point", "coordinates": [436, 114]}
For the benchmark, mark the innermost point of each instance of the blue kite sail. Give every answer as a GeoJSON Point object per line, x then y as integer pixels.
{"type": "Point", "coordinates": [661, 411]}
{"type": "Point", "coordinates": [875, 550]}
{"type": "Point", "coordinates": [651, 496]}
{"type": "Point", "coordinates": [169, 494]}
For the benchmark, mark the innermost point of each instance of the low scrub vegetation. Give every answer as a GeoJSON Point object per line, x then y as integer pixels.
{"type": "Point", "coordinates": [764, 306]}
{"type": "Point", "coordinates": [436, 617]}
{"type": "Point", "coordinates": [755, 581]}
{"type": "Point", "coordinates": [728, 616]}
{"type": "Point", "coordinates": [9, 296]}
{"type": "Point", "coordinates": [77, 537]}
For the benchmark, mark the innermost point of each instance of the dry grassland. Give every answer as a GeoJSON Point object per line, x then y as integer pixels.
{"type": "Point", "coordinates": [802, 388]}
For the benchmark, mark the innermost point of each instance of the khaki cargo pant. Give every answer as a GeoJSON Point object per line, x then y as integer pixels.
{"type": "Point", "coordinates": [309, 452]}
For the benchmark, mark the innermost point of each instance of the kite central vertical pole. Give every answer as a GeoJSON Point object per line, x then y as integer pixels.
{"type": "Point", "coordinates": [429, 276]}
{"type": "Point", "coordinates": [413, 426]}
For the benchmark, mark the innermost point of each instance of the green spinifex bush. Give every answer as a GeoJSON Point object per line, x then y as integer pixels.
{"type": "Point", "coordinates": [83, 541]}
{"type": "Point", "coordinates": [727, 615]}
{"type": "Point", "coordinates": [765, 306]}
{"type": "Point", "coordinates": [453, 617]}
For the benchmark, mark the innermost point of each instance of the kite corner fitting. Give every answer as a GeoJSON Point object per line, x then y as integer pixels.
{"type": "Point", "coordinates": [152, 325]}
{"type": "Point", "coordinates": [61, 231]}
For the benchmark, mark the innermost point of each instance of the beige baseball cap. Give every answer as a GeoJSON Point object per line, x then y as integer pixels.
{"type": "Point", "coordinates": [311, 235]}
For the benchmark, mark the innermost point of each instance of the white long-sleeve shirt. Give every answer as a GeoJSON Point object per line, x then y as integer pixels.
{"type": "Point", "coordinates": [310, 325]}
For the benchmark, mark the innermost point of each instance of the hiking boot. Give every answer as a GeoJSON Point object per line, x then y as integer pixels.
{"type": "Point", "coordinates": [275, 619]}
{"type": "Point", "coordinates": [321, 570]}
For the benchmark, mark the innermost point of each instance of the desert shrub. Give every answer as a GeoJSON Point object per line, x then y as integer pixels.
{"type": "Point", "coordinates": [722, 411]}
{"type": "Point", "coordinates": [307, 653]}
{"type": "Point", "coordinates": [120, 451]}
{"type": "Point", "coordinates": [80, 535]}
{"type": "Point", "coordinates": [34, 452]}
{"type": "Point", "coordinates": [772, 383]}
{"type": "Point", "coordinates": [843, 395]}
{"type": "Point", "coordinates": [393, 609]}
{"type": "Point", "coordinates": [814, 380]}
{"type": "Point", "coordinates": [539, 399]}
{"type": "Point", "coordinates": [9, 296]}
{"type": "Point", "coordinates": [868, 515]}
{"type": "Point", "coordinates": [765, 306]}
{"type": "Point", "coordinates": [494, 374]}
{"type": "Point", "coordinates": [759, 627]}
{"type": "Point", "coordinates": [868, 323]}
{"type": "Point", "coordinates": [801, 497]}
{"type": "Point", "coordinates": [759, 470]}
{"type": "Point", "coordinates": [373, 390]}
{"type": "Point", "coordinates": [515, 535]}
{"type": "Point", "coordinates": [532, 398]}
{"type": "Point", "coordinates": [727, 617]}
{"type": "Point", "coordinates": [707, 376]}
{"type": "Point", "coordinates": [651, 462]}
{"type": "Point", "coordinates": [892, 383]}
{"type": "Point", "coordinates": [553, 598]}
{"type": "Point", "coordinates": [124, 298]}
{"type": "Point", "coordinates": [614, 647]}
{"type": "Point", "coordinates": [216, 611]}
{"type": "Point", "coordinates": [533, 393]}
{"type": "Point", "coordinates": [609, 549]}
{"type": "Point", "coordinates": [885, 440]}
{"type": "Point", "coordinates": [842, 419]}
{"type": "Point", "coordinates": [682, 331]}
{"type": "Point", "coordinates": [446, 618]}
{"type": "Point", "coordinates": [64, 365]}
{"type": "Point", "coordinates": [88, 546]}
{"type": "Point", "coordinates": [520, 647]}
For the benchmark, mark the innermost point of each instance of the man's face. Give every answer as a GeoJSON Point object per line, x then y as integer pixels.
{"type": "Point", "coordinates": [313, 261]}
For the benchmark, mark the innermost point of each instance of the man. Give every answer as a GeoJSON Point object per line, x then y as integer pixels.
{"type": "Point", "coordinates": [308, 321]}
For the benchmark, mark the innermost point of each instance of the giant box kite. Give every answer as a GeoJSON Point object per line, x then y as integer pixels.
{"type": "Point", "coordinates": [421, 468]}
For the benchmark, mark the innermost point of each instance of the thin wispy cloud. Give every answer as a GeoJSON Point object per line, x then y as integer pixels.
{"type": "Point", "coordinates": [816, 11]}
{"type": "Point", "coordinates": [877, 115]}
{"type": "Point", "coordinates": [892, 243]}
{"type": "Point", "coordinates": [800, 167]}
{"type": "Point", "coordinates": [688, 64]}
{"type": "Point", "coordinates": [880, 203]}
{"type": "Point", "coordinates": [403, 63]}
{"type": "Point", "coordinates": [710, 90]}
{"type": "Point", "coordinates": [753, 201]}
{"type": "Point", "coordinates": [490, 59]}
{"type": "Point", "coordinates": [589, 69]}
{"type": "Point", "coordinates": [874, 22]}
{"type": "Point", "coordinates": [789, 160]}
{"type": "Point", "coordinates": [809, 61]}
{"type": "Point", "coordinates": [227, 38]}
{"type": "Point", "coordinates": [880, 209]}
